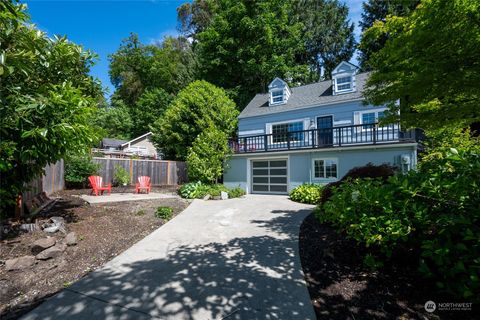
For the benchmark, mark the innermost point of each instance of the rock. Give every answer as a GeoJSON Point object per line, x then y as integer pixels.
{"type": "Point", "coordinates": [19, 263]}
{"type": "Point", "coordinates": [207, 197]}
{"type": "Point", "coordinates": [216, 198]}
{"type": "Point", "coordinates": [71, 239]}
{"type": "Point", "coordinates": [28, 227]}
{"type": "Point", "coordinates": [57, 220]}
{"type": "Point", "coordinates": [60, 223]}
{"type": "Point", "coordinates": [52, 229]}
{"type": "Point", "coordinates": [51, 252]}
{"type": "Point", "coordinates": [224, 195]}
{"type": "Point", "coordinates": [42, 244]}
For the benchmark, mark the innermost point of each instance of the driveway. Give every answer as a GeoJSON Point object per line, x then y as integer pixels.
{"type": "Point", "coordinates": [233, 259]}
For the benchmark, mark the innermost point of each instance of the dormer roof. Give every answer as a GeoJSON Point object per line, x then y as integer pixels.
{"type": "Point", "coordinates": [306, 96]}
{"type": "Point", "coordinates": [345, 67]}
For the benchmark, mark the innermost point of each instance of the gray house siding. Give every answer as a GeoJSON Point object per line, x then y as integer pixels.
{"type": "Point", "coordinates": [300, 164]}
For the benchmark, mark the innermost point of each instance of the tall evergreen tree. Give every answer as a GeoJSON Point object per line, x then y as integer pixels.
{"type": "Point", "coordinates": [378, 10]}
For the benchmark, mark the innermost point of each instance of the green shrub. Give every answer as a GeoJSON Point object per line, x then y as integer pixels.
{"type": "Point", "coordinates": [434, 211]}
{"type": "Point", "coordinates": [198, 190]}
{"type": "Point", "coordinates": [306, 193]}
{"type": "Point", "coordinates": [236, 192]}
{"type": "Point", "coordinates": [189, 190]}
{"type": "Point", "coordinates": [121, 177]}
{"type": "Point", "coordinates": [370, 170]}
{"type": "Point", "coordinates": [164, 213]}
{"type": "Point", "coordinates": [77, 171]}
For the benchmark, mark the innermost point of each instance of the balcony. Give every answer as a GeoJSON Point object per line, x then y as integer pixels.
{"type": "Point", "coordinates": [356, 135]}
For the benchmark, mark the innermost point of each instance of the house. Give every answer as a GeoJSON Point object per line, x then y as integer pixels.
{"type": "Point", "coordinates": [313, 133]}
{"type": "Point", "coordinates": [141, 146]}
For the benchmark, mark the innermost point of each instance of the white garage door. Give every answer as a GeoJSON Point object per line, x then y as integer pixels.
{"type": "Point", "coordinates": [269, 176]}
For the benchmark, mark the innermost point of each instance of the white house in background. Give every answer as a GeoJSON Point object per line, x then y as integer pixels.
{"type": "Point", "coordinates": [141, 146]}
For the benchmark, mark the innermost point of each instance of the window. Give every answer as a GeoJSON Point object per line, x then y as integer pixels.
{"type": "Point", "coordinates": [325, 168]}
{"type": "Point", "coordinates": [279, 131]}
{"type": "Point", "coordinates": [344, 83]}
{"type": "Point", "coordinates": [371, 117]}
{"type": "Point", "coordinates": [277, 96]}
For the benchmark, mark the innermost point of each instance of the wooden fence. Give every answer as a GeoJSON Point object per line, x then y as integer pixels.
{"type": "Point", "coordinates": [52, 181]}
{"type": "Point", "coordinates": [161, 172]}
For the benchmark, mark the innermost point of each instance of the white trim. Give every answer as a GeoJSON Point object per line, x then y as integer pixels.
{"type": "Point", "coordinates": [336, 149]}
{"type": "Point", "coordinates": [341, 122]}
{"type": "Point", "coordinates": [351, 65]}
{"type": "Point", "coordinates": [324, 159]}
{"type": "Point", "coordinates": [137, 138]}
{"type": "Point", "coordinates": [269, 130]}
{"type": "Point", "coordinates": [250, 132]}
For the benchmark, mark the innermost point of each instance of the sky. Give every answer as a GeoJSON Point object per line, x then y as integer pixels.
{"type": "Point", "coordinates": [100, 25]}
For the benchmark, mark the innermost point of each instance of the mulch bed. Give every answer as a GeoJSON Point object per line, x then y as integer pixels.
{"type": "Point", "coordinates": [341, 287]}
{"type": "Point", "coordinates": [103, 232]}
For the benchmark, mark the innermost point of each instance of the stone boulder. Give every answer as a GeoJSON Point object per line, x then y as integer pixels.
{"type": "Point", "coordinates": [71, 239]}
{"type": "Point", "coordinates": [224, 195]}
{"type": "Point", "coordinates": [42, 244]}
{"type": "Point", "coordinates": [52, 252]}
{"type": "Point", "coordinates": [19, 263]}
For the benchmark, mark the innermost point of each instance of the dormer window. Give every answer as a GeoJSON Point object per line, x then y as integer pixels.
{"type": "Point", "coordinates": [279, 92]}
{"type": "Point", "coordinates": [277, 96]}
{"type": "Point", "coordinates": [343, 78]}
{"type": "Point", "coordinates": [344, 83]}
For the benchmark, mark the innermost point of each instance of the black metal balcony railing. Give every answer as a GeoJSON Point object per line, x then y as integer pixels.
{"type": "Point", "coordinates": [362, 134]}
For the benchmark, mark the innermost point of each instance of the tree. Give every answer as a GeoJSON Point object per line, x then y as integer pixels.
{"type": "Point", "coordinates": [243, 45]}
{"type": "Point", "coordinates": [114, 120]}
{"type": "Point", "coordinates": [136, 68]}
{"type": "Point", "coordinates": [378, 10]}
{"type": "Point", "coordinates": [430, 64]}
{"type": "Point", "coordinates": [207, 155]}
{"type": "Point", "coordinates": [47, 100]}
{"type": "Point", "coordinates": [150, 107]}
{"type": "Point", "coordinates": [248, 43]}
{"type": "Point", "coordinates": [327, 33]}
{"type": "Point", "coordinates": [197, 107]}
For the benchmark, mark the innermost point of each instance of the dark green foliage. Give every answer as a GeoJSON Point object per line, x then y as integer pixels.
{"type": "Point", "coordinates": [198, 107]}
{"type": "Point", "coordinates": [429, 64]}
{"type": "Point", "coordinates": [370, 170]}
{"type": "Point", "coordinates": [77, 171]}
{"type": "Point", "coordinates": [164, 213]}
{"type": "Point", "coordinates": [306, 193]}
{"type": "Point", "coordinates": [434, 211]}
{"type": "Point", "coordinates": [121, 177]}
{"type": "Point", "coordinates": [47, 99]}
{"type": "Point", "coordinates": [136, 68]}
{"type": "Point", "coordinates": [243, 45]}
{"type": "Point", "coordinates": [114, 120]}
{"type": "Point", "coordinates": [149, 108]}
{"type": "Point", "coordinates": [236, 192]}
{"type": "Point", "coordinates": [377, 10]}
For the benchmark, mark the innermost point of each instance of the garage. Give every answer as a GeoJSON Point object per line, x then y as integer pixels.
{"type": "Point", "coordinates": [270, 176]}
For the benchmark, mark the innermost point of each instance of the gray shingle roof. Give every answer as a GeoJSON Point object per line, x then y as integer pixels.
{"type": "Point", "coordinates": [107, 142]}
{"type": "Point", "coordinates": [310, 95]}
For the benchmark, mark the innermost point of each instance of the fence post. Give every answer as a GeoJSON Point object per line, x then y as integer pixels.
{"type": "Point", "coordinates": [168, 173]}
{"type": "Point", "coordinates": [131, 171]}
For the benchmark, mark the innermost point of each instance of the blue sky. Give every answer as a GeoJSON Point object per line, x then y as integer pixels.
{"type": "Point", "coordinates": [100, 25]}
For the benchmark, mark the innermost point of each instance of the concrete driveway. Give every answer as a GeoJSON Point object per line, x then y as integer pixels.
{"type": "Point", "coordinates": [233, 259]}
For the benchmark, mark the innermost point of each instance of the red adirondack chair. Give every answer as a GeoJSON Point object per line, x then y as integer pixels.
{"type": "Point", "coordinates": [97, 187]}
{"type": "Point", "coordinates": [143, 184]}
